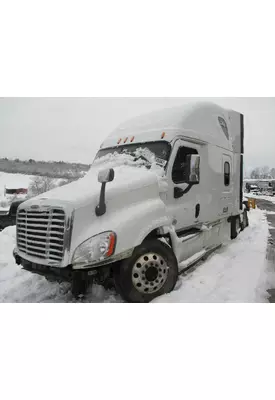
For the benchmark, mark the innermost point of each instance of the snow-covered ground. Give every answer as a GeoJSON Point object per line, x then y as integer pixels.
{"type": "Point", "coordinates": [255, 196]}
{"type": "Point", "coordinates": [236, 273]}
{"type": "Point", "coordinates": [239, 272]}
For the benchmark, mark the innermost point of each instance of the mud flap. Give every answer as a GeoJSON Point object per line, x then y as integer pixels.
{"type": "Point", "coordinates": [235, 227]}
{"type": "Point", "coordinates": [80, 283]}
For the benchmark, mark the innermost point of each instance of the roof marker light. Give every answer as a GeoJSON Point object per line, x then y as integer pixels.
{"type": "Point", "coordinates": [132, 139]}
{"type": "Point", "coordinates": [125, 140]}
{"type": "Point", "coordinates": [118, 142]}
{"type": "Point", "coordinates": [163, 135]}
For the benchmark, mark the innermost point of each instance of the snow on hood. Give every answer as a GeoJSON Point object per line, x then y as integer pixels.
{"type": "Point", "coordinates": [129, 175]}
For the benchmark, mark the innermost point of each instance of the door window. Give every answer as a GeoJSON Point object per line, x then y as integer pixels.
{"type": "Point", "coordinates": [179, 171]}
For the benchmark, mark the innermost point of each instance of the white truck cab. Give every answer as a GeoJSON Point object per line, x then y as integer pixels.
{"type": "Point", "coordinates": [164, 190]}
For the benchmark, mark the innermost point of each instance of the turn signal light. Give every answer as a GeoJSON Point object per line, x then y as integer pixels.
{"type": "Point", "coordinates": [112, 242]}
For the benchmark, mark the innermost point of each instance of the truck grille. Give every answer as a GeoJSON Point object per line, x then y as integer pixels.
{"type": "Point", "coordinates": [41, 233]}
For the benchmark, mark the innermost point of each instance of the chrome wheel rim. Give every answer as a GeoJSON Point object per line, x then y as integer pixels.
{"type": "Point", "coordinates": [149, 273]}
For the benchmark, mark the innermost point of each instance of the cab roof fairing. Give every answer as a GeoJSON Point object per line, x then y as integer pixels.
{"type": "Point", "coordinates": [198, 122]}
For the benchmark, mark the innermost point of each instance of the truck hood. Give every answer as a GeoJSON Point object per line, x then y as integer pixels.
{"type": "Point", "coordinates": [133, 195]}
{"type": "Point", "coordinates": [85, 190]}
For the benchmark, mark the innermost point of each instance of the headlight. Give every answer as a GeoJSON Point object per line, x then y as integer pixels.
{"type": "Point", "coordinates": [95, 249]}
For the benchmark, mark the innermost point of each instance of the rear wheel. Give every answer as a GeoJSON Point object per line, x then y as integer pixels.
{"type": "Point", "coordinates": [150, 272]}
{"type": "Point", "coordinates": [235, 227]}
{"type": "Point", "coordinates": [245, 219]}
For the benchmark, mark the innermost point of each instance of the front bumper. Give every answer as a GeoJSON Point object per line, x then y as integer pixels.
{"type": "Point", "coordinates": [66, 274]}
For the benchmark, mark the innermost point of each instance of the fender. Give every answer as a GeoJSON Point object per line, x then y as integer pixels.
{"type": "Point", "coordinates": [132, 224]}
{"type": "Point", "coordinates": [139, 220]}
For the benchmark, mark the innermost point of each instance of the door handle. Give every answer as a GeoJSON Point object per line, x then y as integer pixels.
{"type": "Point", "coordinates": [178, 192]}
{"type": "Point", "coordinates": [198, 210]}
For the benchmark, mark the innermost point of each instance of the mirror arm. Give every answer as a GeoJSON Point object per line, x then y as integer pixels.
{"type": "Point", "coordinates": [101, 207]}
{"type": "Point", "coordinates": [178, 192]}
{"type": "Point", "coordinates": [103, 178]}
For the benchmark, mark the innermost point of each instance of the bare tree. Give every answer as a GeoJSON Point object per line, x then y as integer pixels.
{"type": "Point", "coordinates": [261, 173]}
{"type": "Point", "coordinates": [265, 172]}
{"type": "Point", "coordinates": [40, 184]}
{"type": "Point", "coordinates": [272, 172]}
{"type": "Point", "coordinates": [255, 174]}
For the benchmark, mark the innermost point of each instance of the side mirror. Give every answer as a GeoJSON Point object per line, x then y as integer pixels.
{"type": "Point", "coordinates": [193, 168]}
{"type": "Point", "coordinates": [106, 175]}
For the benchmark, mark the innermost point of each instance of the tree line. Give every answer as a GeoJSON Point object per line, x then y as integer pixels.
{"type": "Point", "coordinates": [51, 169]}
{"type": "Point", "coordinates": [263, 173]}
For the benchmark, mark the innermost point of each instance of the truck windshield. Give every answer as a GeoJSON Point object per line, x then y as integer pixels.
{"type": "Point", "coordinates": [151, 152]}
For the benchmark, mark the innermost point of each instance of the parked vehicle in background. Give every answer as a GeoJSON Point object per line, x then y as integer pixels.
{"type": "Point", "coordinates": [9, 218]}
{"type": "Point", "coordinates": [165, 188]}
{"type": "Point", "coordinates": [9, 191]}
{"type": "Point", "coordinates": [260, 186]}
{"type": "Point", "coordinates": [12, 194]}
{"type": "Point", "coordinates": [252, 188]}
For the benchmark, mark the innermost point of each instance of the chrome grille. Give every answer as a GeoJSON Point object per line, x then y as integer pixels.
{"type": "Point", "coordinates": [40, 233]}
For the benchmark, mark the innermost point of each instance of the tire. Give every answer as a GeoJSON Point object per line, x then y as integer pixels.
{"type": "Point", "coordinates": [150, 272]}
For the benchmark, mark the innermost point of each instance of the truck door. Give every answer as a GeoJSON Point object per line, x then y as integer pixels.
{"type": "Point", "coordinates": [226, 202]}
{"type": "Point", "coordinates": [184, 200]}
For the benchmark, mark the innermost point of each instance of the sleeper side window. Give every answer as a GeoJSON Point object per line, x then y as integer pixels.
{"type": "Point", "coordinates": [224, 127]}
{"type": "Point", "coordinates": [179, 168]}
{"type": "Point", "coordinates": [226, 173]}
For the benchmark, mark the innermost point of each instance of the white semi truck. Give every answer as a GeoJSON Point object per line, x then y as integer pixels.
{"type": "Point", "coordinates": [164, 190]}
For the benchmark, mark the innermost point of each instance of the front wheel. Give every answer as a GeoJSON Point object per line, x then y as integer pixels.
{"type": "Point", "coordinates": [151, 272]}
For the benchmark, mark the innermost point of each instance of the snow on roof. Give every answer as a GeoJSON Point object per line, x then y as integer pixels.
{"type": "Point", "coordinates": [197, 120]}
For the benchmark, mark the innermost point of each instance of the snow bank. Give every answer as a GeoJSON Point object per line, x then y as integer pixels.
{"type": "Point", "coordinates": [237, 273]}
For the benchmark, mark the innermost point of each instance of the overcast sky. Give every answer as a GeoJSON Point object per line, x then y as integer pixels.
{"type": "Point", "coordinates": [72, 129]}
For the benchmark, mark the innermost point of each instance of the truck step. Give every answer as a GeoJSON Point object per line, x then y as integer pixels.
{"type": "Point", "coordinates": [189, 265]}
